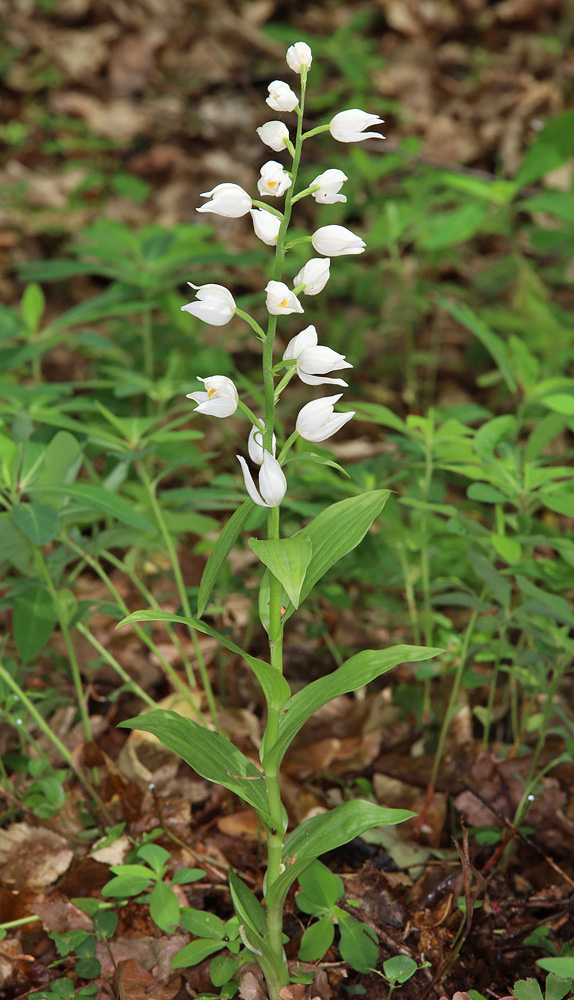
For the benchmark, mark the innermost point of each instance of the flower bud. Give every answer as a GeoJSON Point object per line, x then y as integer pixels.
{"type": "Point", "coordinates": [266, 226]}
{"type": "Point", "coordinates": [273, 134]}
{"type": "Point", "coordinates": [255, 445]}
{"type": "Point", "coordinates": [317, 421]}
{"type": "Point", "coordinates": [272, 482]}
{"type": "Point", "coordinates": [299, 55]}
{"type": "Point", "coordinates": [336, 241]}
{"type": "Point", "coordinates": [280, 299]}
{"type": "Point", "coordinates": [274, 180]}
{"type": "Point", "coordinates": [281, 97]}
{"type": "Point", "coordinates": [330, 183]}
{"type": "Point", "coordinates": [214, 304]}
{"type": "Point", "coordinates": [314, 276]}
{"type": "Point", "coordinates": [227, 199]}
{"type": "Point", "coordinates": [220, 398]}
{"type": "Point", "coordinates": [348, 126]}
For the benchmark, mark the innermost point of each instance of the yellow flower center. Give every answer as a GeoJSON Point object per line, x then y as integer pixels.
{"type": "Point", "coordinates": [282, 304]}
{"type": "Point", "coordinates": [271, 184]}
{"type": "Point", "coordinates": [211, 393]}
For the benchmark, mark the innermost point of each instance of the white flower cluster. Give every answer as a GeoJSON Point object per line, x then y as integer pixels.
{"type": "Point", "coordinates": [214, 304]}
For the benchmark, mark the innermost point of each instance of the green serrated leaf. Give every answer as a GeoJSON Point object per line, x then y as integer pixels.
{"type": "Point", "coordinates": [287, 559]}
{"type": "Point", "coordinates": [527, 989]}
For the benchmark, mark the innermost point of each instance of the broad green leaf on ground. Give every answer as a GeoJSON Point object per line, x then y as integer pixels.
{"type": "Point", "coordinates": [287, 559]}
{"type": "Point", "coordinates": [34, 620]}
{"type": "Point", "coordinates": [275, 687]}
{"type": "Point", "coordinates": [101, 500]}
{"type": "Point", "coordinates": [550, 149]}
{"type": "Point", "coordinates": [336, 531]}
{"type": "Point", "coordinates": [317, 939]}
{"type": "Point", "coordinates": [210, 754]}
{"type": "Point", "coordinates": [38, 522]}
{"type": "Point", "coordinates": [355, 673]}
{"type": "Point", "coordinates": [358, 945]}
{"type": "Point", "coordinates": [220, 551]}
{"type": "Point", "coordinates": [195, 952]}
{"type": "Point", "coordinates": [164, 907]}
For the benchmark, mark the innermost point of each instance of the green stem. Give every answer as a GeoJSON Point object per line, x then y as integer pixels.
{"type": "Point", "coordinates": [65, 753]}
{"type": "Point", "coordinates": [76, 675]}
{"type": "Point", "coordinates": [107, 656]}
{"type": "Point", "coordinates": [252, 323]}
{"type": "Point", "coordinates": [182, 592]}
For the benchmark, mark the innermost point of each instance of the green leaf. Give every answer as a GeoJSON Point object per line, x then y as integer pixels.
{"type": "Point", "coordinates": [34, 620]}
{"type": "Point", "coordinates": [559, 607]}
{"type": "Point", "coordinates": [336, 531]}
{"type": "Point", "coordinates": [493, 343]}
{"type": "Point", "coordinates": [560, 501]}
{"type": "Point", "coordinates": [317, 939]}
{"type": "Point", "coordinates": [105, 923]}
{"type": "Point", "coordinates": [202, 923]}
{"type": "Point", "coordinates": [101, 500]}
{"type": "Point", "coordinates": [126, 885]}
{"type": "Point", "coordinates": [556, 987]}
{"type": "Point", "coordinates": [562, 966]}
{"type": "Point", "coordinates": [195, 952]}
{"type": "Point", "coordinates": [500, 587]}
{"type": "Point", "coordinates": [358, 944]}
{"type": "Point", "coordinates": [561, 402]}
{"type": "Point", "coordinates": [399, 968]}
{"type": "Point", "coordinates": [445, 229]}
{"type": "Point", "coordinates": [32, 306]}
{"type": "Point", "coordinates": [154, 855]}
{"type": "Point", "coordinates": [551, 148]}
{"type": "Point", "coordinates": [220, 551]}
{"type": "Point", "coordinates": [247, 907]}
{"type": "Point", "coordinates": [185, 876]}
{"type": "Point", "coordinates": [39, 523]}
{"type": "Point", "coordinates": [508, 548]}
{"type": "Point", "coordinates": [88, 968]}
{"type": "Point", "coordinates": [320, 886]}
{"type": "Point", "coordinates": [164, 907]}
{"type": "Point", "coordinates": [275, 687]}
{"type": "Point", "coordinates": [211, 755]}
{"type": "Point", "coordinates": [325, 832]}
{"type": "Point", "coordinates": [15, 548]}
{"type": "Point", "coordinates": [492, 433]}
{"type": "Point", "coordinates": [62, 459]}
{"type": "Point", "coordinates": [222, 968]}
{"type": "Point", "coordinates": [485, 493]}
{"type": "Point", "coordinates": [288, 559]}
{"type": "Point", "coordinates": [354, 673]}
{"type": "Point", "coordinates": [527, 989]}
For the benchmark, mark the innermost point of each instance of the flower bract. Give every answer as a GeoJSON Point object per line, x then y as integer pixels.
{"type": "Point", "coordinates": [227, 199]}
{"type": "Point", "coordinates": [273, 134]}
{"type": "Point", "coordinates": [299, 55]}
{"type": "Point", "coordinates": [348, 126]}
{"type": "Point", "coordinates": [274, 180]}
{"type": "Point", "coordinates": [272, 482]}
{"type": "Point", "coordinates": [314, 275]}
{"type": "Point", "coordinates": [314, 361]}
{"type": "Point", "coordinates": [219, 398]}
{"type": "Point", "coordinates": [255, 445]}
{"type": "Point", "coordinates": [266, 226]}
{"type": "Point", "coordinates": [330, 183]}
{"type": "Point", "coordinates": [280, 299]}
{"type": "Point", "coordinates": [214, 304]}
{"type": "Point", "coordinates": [281, 97]}
{"type": "Point", "coordinates": [317, 421]}
{"type": "Point", "coordinates": [336, 241]}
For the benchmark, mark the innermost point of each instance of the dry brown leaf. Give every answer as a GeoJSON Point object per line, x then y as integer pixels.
{"type": "Point", "coordinates": [135, 982]}
{"type": "Point", "coordinates": [32, 857]}
{"type": "Point", "coordinates": [120, 120]}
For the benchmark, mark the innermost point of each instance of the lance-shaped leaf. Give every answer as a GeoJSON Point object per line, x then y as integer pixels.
{"type": "Point", "coordinates": [210, 754]}
{"type": "Point", "coordinates": [354, 673]}
{"type": "Point", "coordinates": [319, 834]}
{"type": "Point", "coordinates": [97, 498]}
{"type": "Point", "coordinates": [275, 687]}
{"type": "Point", "coordinates": [288, 559]}
{"type": "Point", "coordinates": [253, 921]}
{"type": "Point", "coordinates": [336, 531]}
{"type": "Point", "coordinates": [220, 551]}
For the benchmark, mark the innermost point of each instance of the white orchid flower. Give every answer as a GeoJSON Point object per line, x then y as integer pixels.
{"type": "Point", "coordinates": [281, 97]}
{"type": "Point", "coordinates": [330, 183]}
{"type": "Point", "coordinates": [314, 276]}
{"type": "Point", "coordinates": [348, 126]}
{"type": "Point", "coordinates": [274, 180]}
{"type": "Point", "coordinates": [219, 399]}
{"type": "Point", "coordinates": [299, 55]}
{"type": "Point", "coordinates": [317, 421]}
{"type": "Point", "coordinates": [273, 134]}
{"type": "Point", "coordinates": [266, 226]}
{"type": "Point", "coordinates": [280, 299]}
{"type": "Point", "coordinates": [313, 361]}
{"type": "Point", "coordinates": [214, 304]}
{"type": "Point", "coordinates": [336, 241]}
{"type": "Point", "coordinates": [272, 482]}
{"type": "Point", "coordinates": [255, 445]}
{"type": "Point", "coordinates": [227, 199]}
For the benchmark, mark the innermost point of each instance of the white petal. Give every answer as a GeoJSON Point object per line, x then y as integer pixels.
{"type": "Point", "coordinates": [272, 481]}
{"type": "Point", "coordinates": [320, 380]}
{"type": "Point", "coordinates": [307, 338]}
{"type": "Point", "coordinates": [249, 483]}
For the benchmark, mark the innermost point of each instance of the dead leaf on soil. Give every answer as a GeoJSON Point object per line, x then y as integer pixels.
{"type": "Point", "coordinates": [32, 857]}
{"type": "Point", "coordinates": [135, 982]}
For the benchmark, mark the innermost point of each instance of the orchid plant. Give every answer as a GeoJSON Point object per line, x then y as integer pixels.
{"type": "Point", "coordinates": [291, 565]}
